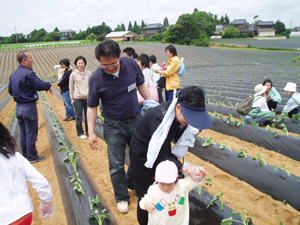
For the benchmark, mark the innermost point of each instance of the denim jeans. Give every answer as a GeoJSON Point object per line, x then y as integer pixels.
{"type": "Point", "coordinates": [80, 106]}
{"type": "Point", "coordinates": [27, 116]}
{"type": "Point", "coordinates": [67, 102]}
{"type": "Point", "coordinates": [118, 133]}
{"type": "Point", "coordinates": [170, 95]}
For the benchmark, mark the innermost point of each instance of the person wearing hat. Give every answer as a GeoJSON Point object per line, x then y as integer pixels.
{"type": "Point", "coordinates": [260, 110]}
{"type": "Point", "coordinates": [151, 140]}
{"type": "Point", "coordinates": [292, 106]}
{"type": "Point", "coordinates": [167, 199]}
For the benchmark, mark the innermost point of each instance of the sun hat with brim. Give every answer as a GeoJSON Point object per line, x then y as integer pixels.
{"type": "Point", "coordinates": [196, 117]}
{"type": "Point", "coordinates": [290, 86]}
{"type": "Point", "coordinates": [259, 89]}
{"type": "Point", "coordinates": [166, 172]}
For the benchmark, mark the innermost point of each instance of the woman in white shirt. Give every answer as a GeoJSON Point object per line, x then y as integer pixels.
{"type": "Point", "coordinates": [293, 105]}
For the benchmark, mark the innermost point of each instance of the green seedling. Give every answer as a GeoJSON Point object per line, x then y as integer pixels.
{"type": "Point", "coordinates": [99, 217]}
{"type": "Point", "coordinates": [215, 113]}
{"type": "Point", "coordinates": [276, 168]}
{"type": "Point", "coordinates": [218, 196]}
{"type": "Point", "coordinates": [75, 178]}
{"type": "Point", "coordinates": [93, 202]}
{"type": "Point", "coordinates": [298, 178]}
{"type": "Point", "coordinates": [242, 153]}
{"type": "Point", "coordinates": [228, 118]}
{"type": "Point", "coordinates": [237, 104]}
{"type": "Point", "coordinates": [254, 123]}
{"type": "Point", "coordinates": [295, 117]}
{"type": "Point", "coordinates": [63, 149]}
{"type": "Point", "coordinates": [246, 219]}
{"type": "Point", "coordinates": [208, 182]}
{"type": "Point", "coordinates": [208, 142]}
{"type": "Point", "coordinates": [261, 159]}
{"type": "Point", "coordinates": [222, 146]}
{"type": "Point", "coordinates": [220, 94]}
{"type": "Point", "coordinates": [77, 187]}
{"type": "Point", "coordinates": [284, 129]}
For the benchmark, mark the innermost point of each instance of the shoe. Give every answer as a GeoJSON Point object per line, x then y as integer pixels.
{"type": "Point", "coordinates": [83, 136]}
{"type": "Point", "coordinates": [123, 207]}
{"type": "Point", "coordinates": [39, 159]}
{"type": "Point", "coordinates": [71, 118]}
{"type": "Point", "coordinates": [65, 119]}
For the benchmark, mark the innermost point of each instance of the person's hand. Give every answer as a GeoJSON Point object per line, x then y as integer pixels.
{"type": "Point", "coordinates": [156, 71]}
{"type": "Point", "coordinates": [50, 91]}
{"type": "Point", "coordinates": [195, 172]}
{"type": "Point", "coordinates": [270, 98]}
{"type": "Point", "coordinates": [37, 102]}
{"type": "Point", "coordinates": [93, 141]}
{"type": "Point", "coordinates": [46, 209]}
{"type": "Point", "coordinates": [71, 102]}
{"type": "Point", "coordinates": [149, 207]}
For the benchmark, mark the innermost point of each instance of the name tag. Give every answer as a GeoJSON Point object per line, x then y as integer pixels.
{"type": "Point", "coordinates": [132, 87]}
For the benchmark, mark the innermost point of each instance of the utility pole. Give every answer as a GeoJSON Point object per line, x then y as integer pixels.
{"type": "Point", "coordinates": [16, 35]}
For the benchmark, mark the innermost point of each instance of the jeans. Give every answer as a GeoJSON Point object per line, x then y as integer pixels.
{"type": "Point", "coordinates": [27, 116]}
{"type": "Point", "coordinates": [67, 102]}
{"type": "Point", "coordinates": [80, 106]}
{"type": "Point", "coordinates": [170, 95]}
{"type": "Point", "coordinates": [118, 133]}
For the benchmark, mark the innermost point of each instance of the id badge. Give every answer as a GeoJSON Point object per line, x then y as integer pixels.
{"type": "Point", "coordinates": [131, 87]}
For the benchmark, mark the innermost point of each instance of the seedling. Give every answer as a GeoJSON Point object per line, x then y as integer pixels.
{"type": "Point", "coordinates": [220, 94]}
{"type": "Point", "coordinates": [218, 196]}
{"type": "Point", "coordinates": [78, 187]}
{"type": "Point", "coordinates": [93, 202]}
{"type": "Point", "coordinates": [298, 178]}
{"type": "Point", "coordinates": [246, 219]}
{"type": "Point", "coordinates": [282, 168]}
{"type": "Point", "coordinates": [242, 153]}
{"type": "Point", "coordinates": [261, 159]}
{"type": "Point", "coordinates": [208, 142]}
{"type": "Point", "coordinates": [99, 217]}
{"type": "Point", "coordinates": [215, 113]}
{"type": "Point", "coordinates": [254, 123]}
{"type": "Point", "coordinates": [237, 104]}
{"type": "Point", "coordinates": [222, 146]}
{"type": "Point", "coordinates": [228, 118]}
{"type": "Point", "coordinates": [208, 182]}
{"type": "Point", "coordinates": [63, 149]}
{"type": "Point", "coordinates": [75, 178]}
{"type": "Point", "coordinates": [284, 129]}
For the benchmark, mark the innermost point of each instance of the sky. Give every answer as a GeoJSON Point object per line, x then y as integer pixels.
{"type": "Point", "coordinates": [27, 15]}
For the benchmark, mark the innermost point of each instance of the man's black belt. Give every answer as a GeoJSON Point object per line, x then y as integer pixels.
{"type": "Point", "coordinates": [132, 117]}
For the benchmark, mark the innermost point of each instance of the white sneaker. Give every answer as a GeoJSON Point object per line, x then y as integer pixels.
{"type": "Point", "coordinates": [83, 137]}
{"type": "Point", "coordinates": [123, 207]}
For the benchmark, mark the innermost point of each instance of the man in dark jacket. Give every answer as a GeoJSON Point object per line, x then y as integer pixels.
{"type": "Point", "coordinates": [23, 86]}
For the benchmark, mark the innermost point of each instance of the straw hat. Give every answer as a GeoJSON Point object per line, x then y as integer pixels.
{"type": "Point", "coordinates": [290, 86]}
{"type": "Point", "coordinates": [259, 89]}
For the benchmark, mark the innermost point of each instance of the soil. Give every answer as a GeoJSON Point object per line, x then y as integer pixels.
{"type": "Point", "coordinates": [263, 208]}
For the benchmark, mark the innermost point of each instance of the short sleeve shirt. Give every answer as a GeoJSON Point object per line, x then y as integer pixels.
{"type": "Point", "coordinates": [118, 94]}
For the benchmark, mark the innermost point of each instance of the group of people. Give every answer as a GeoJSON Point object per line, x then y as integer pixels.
{"type": "Point", "coordinates": [266, 99]}
{"type": "Point", "coordinates": [155, 173]}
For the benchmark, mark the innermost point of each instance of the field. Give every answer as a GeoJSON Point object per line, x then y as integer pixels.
{"type": "Point", "coordinates": [228, 77]}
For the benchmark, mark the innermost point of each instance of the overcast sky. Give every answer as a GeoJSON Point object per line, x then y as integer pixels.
{"type": "Point", "coordinates": [28, 15]}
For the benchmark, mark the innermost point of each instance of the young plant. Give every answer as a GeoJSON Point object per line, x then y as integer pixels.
{"type": "Point", "coordinates": [228, 118]}
{"type": "Point", "coordinates": [237, 104]}
{"type": "Point", "coordinates": [261, 159]}
{"type": "Point", "coordinates": [284, 129]}
{"type": "Point", "coordinates": [77, 187]}
{"type": "Point", "coordinates": [99, 216]}
{"type": "Point", "coordinates": [276, 168]}
{"type": "Point", "coordinates": [93, 202]}
{"type": "Point", "coordinates": [218, 196]}
{"type": "Point", "coordinates": [254, 123]}
{"type": "Point", "coordinates": [222, 146]}
{"type": "Point", "coordinates": [242, 153]}
{"type": "Point", "coordinates": [215, 113]}
{"type": "Point", "coordinates": [208, 182]}
{"type": "Point", "coordinates": [246, 219]}
{"type": "Point", "coordinates": [208, 142]}
{"type": "Point", "coordinates": [298, 178]}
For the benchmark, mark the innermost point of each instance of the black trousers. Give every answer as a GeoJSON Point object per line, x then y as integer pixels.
{"type": "Point", "coordinates": [294, 111]}
{"type": "Point", "coordinates": [272, 105]}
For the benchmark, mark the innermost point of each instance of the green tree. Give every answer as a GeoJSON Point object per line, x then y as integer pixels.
{"type": "Point", "coordinates": [256, 21]}
{"type": "Point", "coordinates": [251, 34]}
{"type": "Point", "coordinates": [129, 26]}
{"type": "Point", "coordinates": [123, 27]}
{"type": "Point", "coordinates": [136, 28]}
{"type": "Point", "coordinates": [279, 27]}
{"type": "Point", "coordinates": [166, 22]}
{"type": "Point", "coordinates": [91, 37]}
{"type": "Point", "coordinates": [52, 36]}
{"type": "Point", "coordinates": [226, 20]}
{"type": "Point", "coordinates": [155, 37]}
{"type": "Point", "coordinates": [31, 35]}
{"type": "Point", "coordinates": [222, 20]}
{"type": "Point", "coordinates": [118, 28]}
{"type": "Point", "coordinates": [80, 36]}
{"type": "Point", "coordinates": [204, 22]}
{"type": "Point", "coordinates": [196, 10]}
{"type": "Point", "coordinates": [231, 32]}
{"type": "Point", "coordinates": [56, 29]}
{"type": "Point", "coordinates": [143, 24]}
{"type": "Point", "coordinates": [216, 19]}
{"type": "Point", "coordinates": [40, 35]}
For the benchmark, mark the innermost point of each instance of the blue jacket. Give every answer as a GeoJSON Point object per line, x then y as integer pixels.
{"type": "Point", "coordinates": [24, 84]}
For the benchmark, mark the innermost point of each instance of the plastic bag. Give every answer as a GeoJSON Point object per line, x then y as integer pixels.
{"type": "Point", "coordinates": [46, 209]}
{"type": "Point", "coordinates": [195, 172]}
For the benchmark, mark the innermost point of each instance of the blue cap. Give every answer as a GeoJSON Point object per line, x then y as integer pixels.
{"type": "Point", "coordinates": [196, 117]}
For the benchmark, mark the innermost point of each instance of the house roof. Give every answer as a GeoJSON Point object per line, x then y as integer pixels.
{"type": "Point", "coordinates": [251, 27]}
{"type": "Point", "coordinates": [219, 26]}
{"type": "Point", "coordinates": [67, 31]}
{"type": "Point", "coordinates": [153, 26]}
{"type": "Point", "coordinates": [239, 21]}
{"type": "Point", "coordinates": [263, 23]}
{"type": "Point", "coordinates": [117, 34]}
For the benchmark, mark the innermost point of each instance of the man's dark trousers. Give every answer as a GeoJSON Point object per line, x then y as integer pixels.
{"type": "Point", "coordinates": [27, 116]}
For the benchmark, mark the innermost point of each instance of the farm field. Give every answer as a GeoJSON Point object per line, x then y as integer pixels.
{"type": "Point", "coordinates": [219, 71]}
{"type": "Point", "coordinates": [293, 43]}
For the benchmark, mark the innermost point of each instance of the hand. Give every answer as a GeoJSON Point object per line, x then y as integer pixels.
{"type": "Point", "coordinates": [50, 91]}
{"type": "Point", "coordinates": [156, 71]}
{"type": "Point", "coordinates": [46, 209]}
{"type": "Point", "coordinates": [149, 207]}
{"type": "Point", "coordinates": [270, 98]}
{"type": "Point", "coordinates": [93, 141]}
{"type": "Point", "coordinates": [37, 102]}
{"type": "Point", "coordinates": [195, 172]}
{"type": "Point", "coordinates": [71, 102]}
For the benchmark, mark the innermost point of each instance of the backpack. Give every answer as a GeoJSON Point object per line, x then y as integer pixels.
{"type": "Point", "coordinates": [246, 105]}
{"type": "Point", "coordinates": [182, 68]}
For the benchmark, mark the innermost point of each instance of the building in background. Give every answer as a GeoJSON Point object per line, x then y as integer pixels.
{"type": "Point", "coordinates": [122, 36]}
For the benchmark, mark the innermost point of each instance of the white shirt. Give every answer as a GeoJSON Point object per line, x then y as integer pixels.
{"type": "Point", "coordinates": [291, 104]}
{"type": "Point", "coordinates": [15, 201]}
{"type": "Point", "coordinates": [261, 103]}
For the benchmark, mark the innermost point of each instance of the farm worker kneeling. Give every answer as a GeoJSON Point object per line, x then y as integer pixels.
{"type": "Point", "coordinates": [260, 110]}
{"type": "Point", "coordinates": [293, 104]}
{"type": "Point", "coordinates": [115, 83]}
{"type": "Point", "coordinates": [179, 119]}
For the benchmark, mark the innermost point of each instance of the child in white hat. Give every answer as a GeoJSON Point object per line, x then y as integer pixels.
{"type": "Point", "coordinates": [292, 106]}
{"type": "Point", "coordinates": [167, 199]}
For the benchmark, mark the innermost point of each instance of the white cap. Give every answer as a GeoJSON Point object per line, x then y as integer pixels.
{"type": "Point", "coordinates": [259, 89]}
{"type": "Point", "coordinates": [290, 86]}
{"type": "Point", "coordinates": [166, 172]}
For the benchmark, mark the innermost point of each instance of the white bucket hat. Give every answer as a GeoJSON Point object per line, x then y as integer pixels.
{"type": "Point", "coordinates": [259, 89]}
{"type": "Point", "coordinates": [166, 172]}
{"type": "Point", "coordinates": [290, 86]}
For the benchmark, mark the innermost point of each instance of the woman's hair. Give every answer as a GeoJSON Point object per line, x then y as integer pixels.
{"type": "Point", "coordinates": [7, 142]}
{"type": "Point", "coordinates": [60, 62]}
{"type": "Point", "coordinates": [171, 49]}
{"type": "Point", "coordinates": [267, 81]}
{"type": "Point", "coordinates": [152, 58]}
{"type": "Point", "coordinates": [192, 96]}
{"type": "Point", "coordinates": [144, 60]}
{"type": "Point", "coordinates": [66, 62]}
{"type": "Point", "coordinates": [78, 58]}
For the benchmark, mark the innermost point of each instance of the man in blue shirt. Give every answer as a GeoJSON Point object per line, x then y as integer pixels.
{"type": "Point", "coordinates": [115, 83]}
{"type": "Point", "coordinates": [23, 86]}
